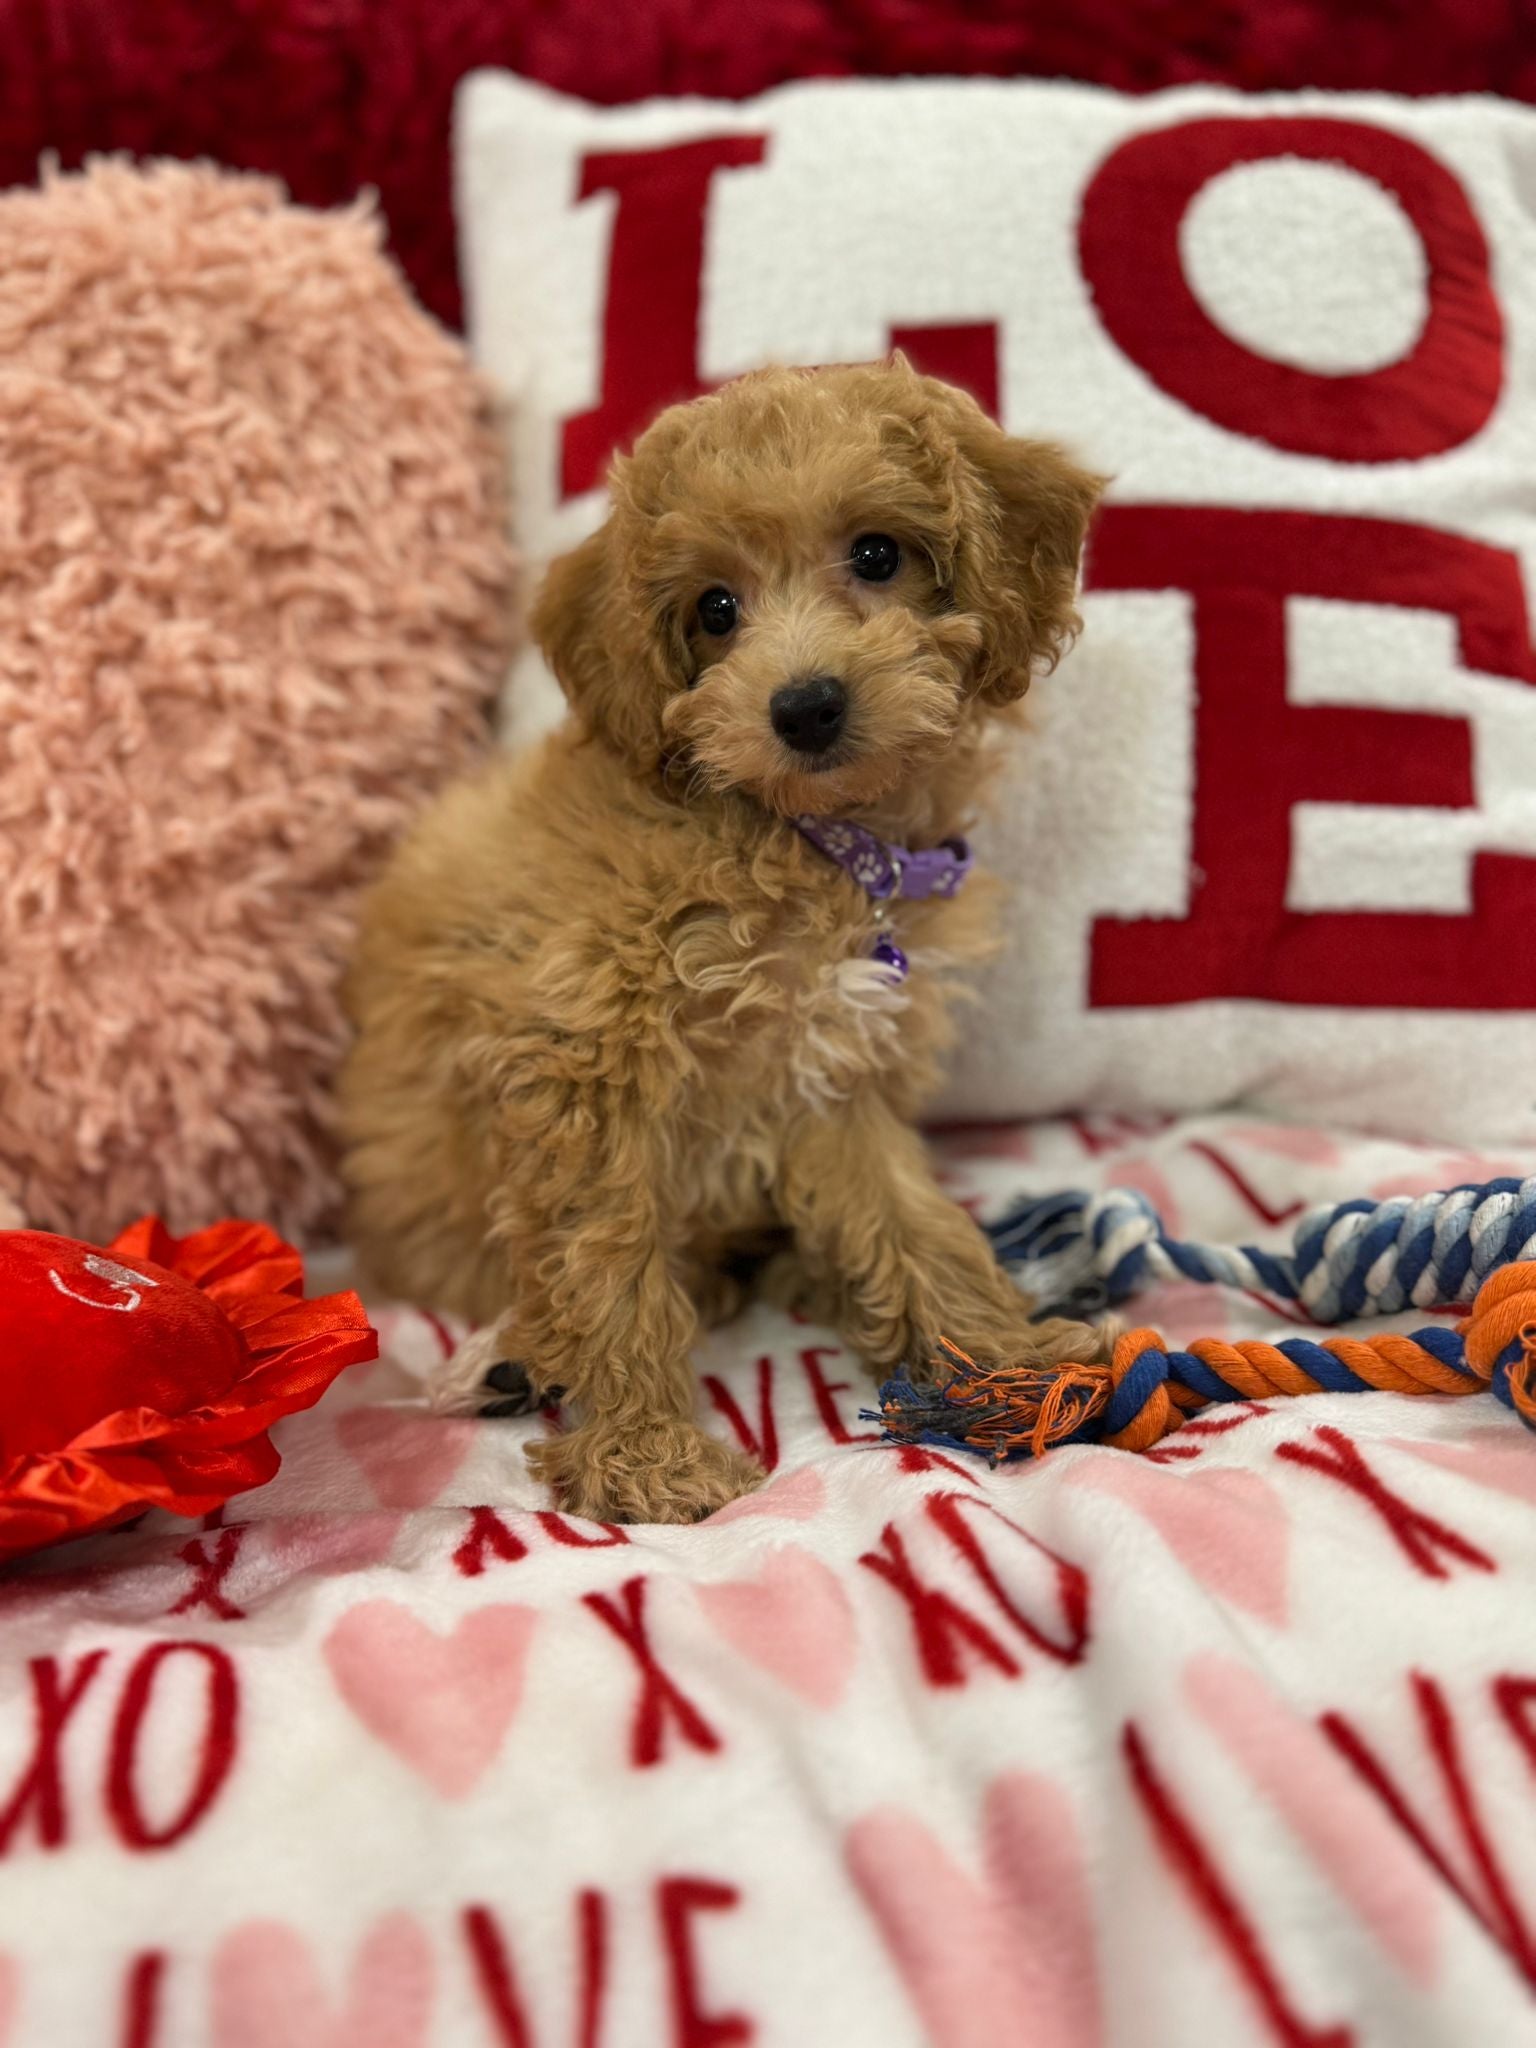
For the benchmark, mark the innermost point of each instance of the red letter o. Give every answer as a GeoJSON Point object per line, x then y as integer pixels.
{"type": "Point", "coordinates": [1432, 399]}
{"type": "Point", "coordinates": [217, 1749]}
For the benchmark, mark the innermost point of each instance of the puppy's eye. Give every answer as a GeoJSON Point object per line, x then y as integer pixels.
{"type": "Point", "coordinates": [875, 557]}
{"type": "Point", "coordinates": [717, 612]}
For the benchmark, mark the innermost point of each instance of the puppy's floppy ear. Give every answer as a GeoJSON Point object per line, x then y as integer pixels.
{"type": "Point", "coordinates": [567, 616]}
{"type": "Point", "coordinates": [591, 638]}
{"type": "Point", "coordinates": [1025, 512]}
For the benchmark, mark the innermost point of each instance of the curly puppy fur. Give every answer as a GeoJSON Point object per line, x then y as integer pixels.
{"type": "Point", "coordinates": [618, 1030]}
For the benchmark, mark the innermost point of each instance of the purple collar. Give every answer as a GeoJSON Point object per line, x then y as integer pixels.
{"type": "Point", "coordinates": [883, 871]}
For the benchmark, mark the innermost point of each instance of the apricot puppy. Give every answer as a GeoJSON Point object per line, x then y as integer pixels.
{"type": "Point", "coordinates": [659, 1000]}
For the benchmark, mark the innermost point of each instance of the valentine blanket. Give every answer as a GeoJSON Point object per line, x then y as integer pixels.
{"type": "Point", "coordinates": [1232, 1742]}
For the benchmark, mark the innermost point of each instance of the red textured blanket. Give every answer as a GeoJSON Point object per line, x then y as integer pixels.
{"type": "Point", "coordinates": [357, 92]}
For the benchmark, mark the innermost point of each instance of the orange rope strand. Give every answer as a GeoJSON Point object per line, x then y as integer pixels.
{"type": "Point", "coordinates": [1259, 1372]}
{"type": "Point", "coordinates": [1030, 1406]}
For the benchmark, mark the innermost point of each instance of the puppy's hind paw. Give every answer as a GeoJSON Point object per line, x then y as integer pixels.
{"type": "Point", "coordinates": [510, 1391]}
{"type": "Point", "coordinates": [480, 1379]}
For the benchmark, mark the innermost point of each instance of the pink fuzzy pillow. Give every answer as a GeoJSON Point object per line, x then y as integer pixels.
{"type": "Point", "coordinates": [254, 605]}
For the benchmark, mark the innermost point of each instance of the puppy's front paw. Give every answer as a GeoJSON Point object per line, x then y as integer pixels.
{"type": "Point", "coordinates": [1002, 1338]}
{"type": "Point", "coordinates": [659, 1472]}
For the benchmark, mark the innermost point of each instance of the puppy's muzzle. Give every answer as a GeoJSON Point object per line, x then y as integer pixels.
{"type": "Point", "coordinates": [809, 717]}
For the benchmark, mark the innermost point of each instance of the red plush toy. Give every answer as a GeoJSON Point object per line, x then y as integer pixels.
{"type": "Point", "coordinates": [148, 1374]}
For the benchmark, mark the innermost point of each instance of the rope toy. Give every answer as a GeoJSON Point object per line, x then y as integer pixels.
{"type": "Point", "coordinates": [1146, 1391]}
{"type": "Point", "coordinates": [1080, 1252]}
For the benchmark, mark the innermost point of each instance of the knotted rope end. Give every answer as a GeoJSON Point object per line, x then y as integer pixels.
{"type": "Point", "coordinates": [1521, 1378]}
{"type": "Point", "coordinates": [1021, 1409]}
{"type": "Point", "coordinates": [1500, 1337]}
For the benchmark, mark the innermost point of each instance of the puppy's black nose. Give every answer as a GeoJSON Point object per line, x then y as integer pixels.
{"type": "Point", "coordinates": [809, 716]}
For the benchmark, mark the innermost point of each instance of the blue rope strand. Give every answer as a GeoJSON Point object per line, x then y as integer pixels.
{"type": "Point", "coordinates": [1136, 1389]}
{"type": "Point", "coordinates": [1356, 1258]}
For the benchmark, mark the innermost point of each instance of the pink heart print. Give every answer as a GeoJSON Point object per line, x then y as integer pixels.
{"type": "Point", "coordinates": [407, 1458]}
{"type": "Point", "coordinates": [792, 1619]}
{"type": "Point", "coordinates": [1014, 1947]}
{"type": "Point", "coordinates": [1498, 1459]}
{"type": "Point", "coordinates": [442, 1703]}
{"type": "Point", "coordinates": [1230, 1530]}
{"type": "Point", "coordinates": [1287, 1141]}
{"type": "Point", "coordinates": [1182, 1311]}
{"type": "Point", "coordinates": [1368, 1860]}
{"type": "Point", "coordinates": [1455, 1170]}
{"type": "Point", "coordinates": [1137, 1171]}
{"type": "Point", "coordinates": [268, 1989]}
{"type": "Point", "coordinates": [797, 1497]}
{"type": "Point", "coordinates": [321, 1545]}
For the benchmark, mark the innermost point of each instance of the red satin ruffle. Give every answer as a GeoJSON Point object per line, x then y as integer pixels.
{"type": "Point", "coordinates": [148, 1373]}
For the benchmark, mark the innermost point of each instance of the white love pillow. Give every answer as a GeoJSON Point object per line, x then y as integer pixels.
{"type": "Point", "coordinates": [1274, 833]}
